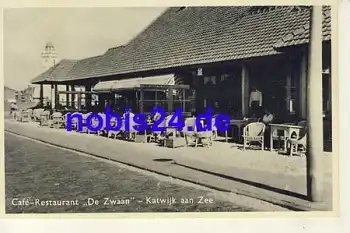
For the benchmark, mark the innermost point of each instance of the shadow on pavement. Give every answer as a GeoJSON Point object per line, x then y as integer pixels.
{"type": "Point", "coordinates": [252, 183]}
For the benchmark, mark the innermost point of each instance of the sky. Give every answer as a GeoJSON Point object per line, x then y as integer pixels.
{"type": "Point", "coordinates": [76, 33]}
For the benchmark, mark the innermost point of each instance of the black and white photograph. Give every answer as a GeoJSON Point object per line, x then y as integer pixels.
{"type": "Point", "coordinates": [169, 109]}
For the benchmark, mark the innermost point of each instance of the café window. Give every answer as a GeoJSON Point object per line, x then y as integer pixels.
{"type": "Point", "coordinates": [184, 99]}
{"type": "Point", "coordinates": [224, 77]}
{"type": "Point", "coordinates": [210, 80]}
{"type": "Point", "coordinates": [291, 94]}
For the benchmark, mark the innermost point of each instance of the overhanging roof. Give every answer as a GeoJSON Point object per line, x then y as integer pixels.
{"type": "Point", "coordinates": [302, 34]}
{"type": "Point", "coordinates": [134, 83]}
{"type": "Point", "coordinates": [200, 35]}
{"type": "Point", "coordinates": [88, 67]}
{"type": "Point", "coordinates": [56, 73]}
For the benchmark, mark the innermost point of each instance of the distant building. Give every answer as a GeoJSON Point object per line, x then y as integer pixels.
{"type": "Point", "coordinates": [9, 96]}
{"type": "Point", "coordinates": [9, 93]}
{"type": "Point", "coordinates": [27, 95]}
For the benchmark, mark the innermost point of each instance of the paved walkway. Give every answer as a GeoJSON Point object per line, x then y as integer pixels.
{"type": "Point", "coordinates": [267, 176]}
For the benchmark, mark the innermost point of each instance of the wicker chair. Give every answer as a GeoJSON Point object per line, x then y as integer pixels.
{"type": "Point", "coordinates": [300, 141]}
{"type": "Point", "coordinates": [159, 136]}
{"type": "Point", "coordinates": [114, 133]}
{"type": "Point", "coordinates": [94, 123]}
{"type": "Point", "coordinates": [189, 130]}
{"type": "Point", "coordinates": [192, 136]}
{"type": "Point", "coordinates": [57, 120]}
{"type": "Point", "coordinates": [37, 114]}
{"type": "Point", "coordinates": [254, 132]}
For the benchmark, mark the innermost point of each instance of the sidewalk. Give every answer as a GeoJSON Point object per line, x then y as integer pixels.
{"type": "Point", "coordinates": [267, 176]}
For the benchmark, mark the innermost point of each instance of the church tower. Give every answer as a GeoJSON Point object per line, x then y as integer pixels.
{"type": "Point", "coordinates": [49, 56]}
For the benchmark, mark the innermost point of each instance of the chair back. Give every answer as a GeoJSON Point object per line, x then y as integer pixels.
{"type": "Point", "coordinates": [302, 123]}
{"type": "Point", "coordinates": [45, 113]}
{"type": "Point", "coordinates": [254, 129]}
{"type": "Point", "coordinates": [190, 123]}
{"type": "Point", "coordinates": [132, 124]}
{"type": "Point", "coordinates": [37, 112]}
{"type": "Point", "coordinates": [303, 131]}
{"type": "Point", "coordinates": [94, 121]}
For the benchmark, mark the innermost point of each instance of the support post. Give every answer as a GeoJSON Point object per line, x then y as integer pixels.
{"type": "Point", "coordinates": [67, 96]}
{"type": "Point", "coordinates": [101, 102]}
{"type": "Point", "coordinates": [136, 101]}
{"type": "Point", "coordinates": [314, 109]}
{"type": "Point", "coordinates": [79, 102]}
{"type": "Point", "coordinates": [184, 100]}
{"type": "Point", "coordinates": [142, 98]}
{"type": "Point", "coordinates": [88, 98]}
{"type": "Point", "coordinates": [170, 100]}
{"type": "Point", "coordinates": [73, 96]}
{"type": "Point", "coordinates": [51, 96]}
{"type": "Point", "coordinates": [41, 95]}
{"type": "Point", "coordinates": [245, 90]}
{"type": "Point", "coordinates": [56, 97]}
{"type": "Point", "coordinates": [303, 86]}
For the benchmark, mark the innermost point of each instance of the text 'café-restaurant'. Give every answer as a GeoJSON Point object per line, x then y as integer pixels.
{"type": "Point", "coordinates": [195, 57]}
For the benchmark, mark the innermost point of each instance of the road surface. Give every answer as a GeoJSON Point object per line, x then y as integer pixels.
{"type": "Point", "coordinates": [45, 179]}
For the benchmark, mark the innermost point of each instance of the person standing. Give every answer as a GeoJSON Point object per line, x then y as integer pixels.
{"type": "Point", "coordinates": [267, 119]}
{"type": "Point", "coordinates": [216, 108]}
{"type": "Point", "coordinates": [13, 110]}
{"type": "Point", "coordinates": [255, 102]}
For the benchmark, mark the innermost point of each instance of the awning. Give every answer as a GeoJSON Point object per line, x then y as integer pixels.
{"type": "Point", "coordinates": [134, 83]}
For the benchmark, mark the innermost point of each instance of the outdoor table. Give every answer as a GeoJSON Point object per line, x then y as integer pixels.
{"type": "Point", "coordinates": [288, 130]}
{"type": "Point", "coordinates": [239, 124]}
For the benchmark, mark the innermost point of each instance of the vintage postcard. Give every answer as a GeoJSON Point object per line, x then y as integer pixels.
{"type": "Point", "coordinates": [200, 109]}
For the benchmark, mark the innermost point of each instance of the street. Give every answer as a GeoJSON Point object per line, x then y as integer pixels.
{"type": "Point", "coordinates": [45, 179]}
